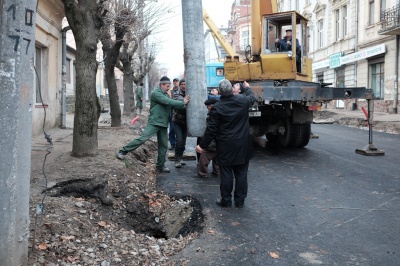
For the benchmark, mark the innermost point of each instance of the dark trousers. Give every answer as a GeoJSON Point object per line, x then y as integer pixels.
{"type": "Point", "coordinates": [204, 160]}
{"type": "Point", "coordinates": [239, 174]}
{"type": "Point", "coordinates": [171, 134]}
{"type": "Point", "coordinates": [180, 140]}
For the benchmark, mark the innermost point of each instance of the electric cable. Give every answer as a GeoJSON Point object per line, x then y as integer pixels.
{"type": "Point", "coordinates": [40, 208]}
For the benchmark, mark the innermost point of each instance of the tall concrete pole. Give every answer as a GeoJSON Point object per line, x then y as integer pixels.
{"type": "Point", "coordinates": [195, 66]}
{"type": "Point", "coordinates": [17, 46]}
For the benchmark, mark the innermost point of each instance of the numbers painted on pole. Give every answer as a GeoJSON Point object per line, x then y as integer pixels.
{"type": "Point", "coordinates": [19, 32]}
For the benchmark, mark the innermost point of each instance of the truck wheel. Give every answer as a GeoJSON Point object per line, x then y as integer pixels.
{"type": "Point", "coordinates": [303, 136]}
{"type": "Point", "coordinates": [288, 139]}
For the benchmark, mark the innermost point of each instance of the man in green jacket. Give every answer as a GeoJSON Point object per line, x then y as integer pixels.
{"type": "Point", "coordinates": [160, 110]}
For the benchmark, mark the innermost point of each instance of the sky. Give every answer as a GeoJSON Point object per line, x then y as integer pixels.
{"type": "Point", "coordinates": [170, 53]}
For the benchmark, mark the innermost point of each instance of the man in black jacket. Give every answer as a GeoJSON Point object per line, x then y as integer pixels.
{"type": "Point", "coordinates": [229, 124]}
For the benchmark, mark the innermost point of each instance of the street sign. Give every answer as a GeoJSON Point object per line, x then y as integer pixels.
{"type": "Point", "coordinates": [334, 60]}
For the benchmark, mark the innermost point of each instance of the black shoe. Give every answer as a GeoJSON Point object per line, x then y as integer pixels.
{"type": "Point", "coordinates": [163, 170]}
{"type": "Point", "coordinates": [223, 204]}
{"type": "Point", "coordinates": [120, 155]}
{"type": "Point", "coordinates": [239, 206]}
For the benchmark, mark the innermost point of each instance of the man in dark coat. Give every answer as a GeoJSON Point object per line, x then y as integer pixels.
{"type": "Point", "coordinates": [229, 124]}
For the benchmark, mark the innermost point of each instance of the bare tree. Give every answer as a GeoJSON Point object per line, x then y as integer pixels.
{"type": "Point", "coordinates": [154, 77]}
{"type": "Point", "coordinates": [127, 65]}
{"type": "Point", "coordinates": [85, 17]}
{"type": "Point", "coordinates": [118, 21]}
{"type": "Point", "coordinates": [137, 55]}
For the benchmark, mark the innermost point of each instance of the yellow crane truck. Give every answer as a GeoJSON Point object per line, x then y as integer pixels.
{"type": "Point", "coordinates": [286, 95]}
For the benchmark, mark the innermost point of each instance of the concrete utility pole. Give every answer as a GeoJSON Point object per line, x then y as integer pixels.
{"type": "Point", "coordinates": [195, 66]}
{"type": "Point", "coordinates": [17, 48]}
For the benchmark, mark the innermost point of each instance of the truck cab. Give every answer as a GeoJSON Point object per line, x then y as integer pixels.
{"type": "Point", "coordinates": [214, 73]}
{"type": "Point", "coordinates": [265, 60]}
{"type": "Point", "coordinates": [274, 26]}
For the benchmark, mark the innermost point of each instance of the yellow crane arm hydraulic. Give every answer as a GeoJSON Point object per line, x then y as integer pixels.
{"type": "Point", "coordinates": [259, 8]}
{"type": "Point", "coordinates": [218, 34]}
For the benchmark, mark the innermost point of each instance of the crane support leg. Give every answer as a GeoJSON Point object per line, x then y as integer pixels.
{"type": "Point", "coordinates": [370, 149]}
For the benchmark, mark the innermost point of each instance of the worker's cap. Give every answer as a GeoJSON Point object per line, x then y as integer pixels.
{"type": "Point", "coordinates": [289, 30]}
{"type": "Point", "coordinates": [210, 101]}
{"type": "Point", "coordinates": [175, 80]}
{"type": "Point", "coordinates": [182, 81]}
{"type": "Point", "coordinates": [165, 80]}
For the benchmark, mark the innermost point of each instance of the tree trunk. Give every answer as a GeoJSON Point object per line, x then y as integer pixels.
{"type": "Point", "coordinates": [125, 66]}
{"type": "Point", "coordinates": [85, 21]}
{"type": "Point", "coordinates": [129, 100]}
{"type": "Point", "coordinates": [115, 110]}
{"type": "Point", "coordinates": [111, 51]}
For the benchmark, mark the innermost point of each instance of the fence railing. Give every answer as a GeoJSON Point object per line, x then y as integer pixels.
{"type": "Point", "coordinates": [390, 18]}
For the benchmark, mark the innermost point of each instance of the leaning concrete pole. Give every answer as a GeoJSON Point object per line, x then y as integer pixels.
{"type": "Point", "coordinates": [195, 67]}
{"type": "Point", "coordinates": [17, 46]}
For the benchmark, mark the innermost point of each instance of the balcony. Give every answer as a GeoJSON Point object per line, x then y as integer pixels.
{"type": "Point", "coordinates": [390, 19]}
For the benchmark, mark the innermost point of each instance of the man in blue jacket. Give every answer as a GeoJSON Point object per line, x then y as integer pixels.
{"type": "Point", "coordinates": [285, 44]}
{"type": "Point", "coordinates": [160, 111]}
{"type": "Point", "coordinates": [229, 125]}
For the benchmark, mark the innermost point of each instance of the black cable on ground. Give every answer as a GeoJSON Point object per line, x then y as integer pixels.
{"type": "Point", "coordinates": [40, 208]}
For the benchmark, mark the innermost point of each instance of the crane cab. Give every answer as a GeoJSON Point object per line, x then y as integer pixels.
{"type": "Point", "coordinates": [266, 60]}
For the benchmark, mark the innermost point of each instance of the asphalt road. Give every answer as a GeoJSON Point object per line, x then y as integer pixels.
{"type": "Point", "coordinates": [320, 205]}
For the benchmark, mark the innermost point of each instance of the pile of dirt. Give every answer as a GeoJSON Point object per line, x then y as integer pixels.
{"type": "Point", "coordinates": [103, 211]}
{"type": "Point", "coordinates": [329, 117]}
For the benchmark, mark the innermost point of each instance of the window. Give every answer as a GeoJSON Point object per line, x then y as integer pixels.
{"type": "Point", "coordinates": [320, 77]}
{"type": "Point", "coordinates": [344, 8]}
{"type": "Point", "coordinates": [38, 76]}
{"type": "Point", "coordinates": [245, 39]}
{"type": "Point", "coordinates": [340, 77]}
{"type": "Point", "coordinates": [320, 33]}
{"type": "Point", "coordinates": [383, 6]}
{"type": "Point", "coordinates": [68, 71]}
{"type": "Point", "coordinates": [220, 72]}
{"type": "Point", "coordinates": [337, 24]}
{"type": "Point", "coordinates": [377, 77]}
{"type": "Point", "coordinates": [223, 53]}
{"type": "Point", "coordinates": [371, 12]}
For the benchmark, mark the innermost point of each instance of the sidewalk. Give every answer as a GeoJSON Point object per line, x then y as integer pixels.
{"type": "Point", "coordinates": [382, 122]}
{"type": "Point", "coordinates": [377, 116]}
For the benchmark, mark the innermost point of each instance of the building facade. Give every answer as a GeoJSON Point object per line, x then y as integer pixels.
{"type": "Point", "coordinates": [240, 26]}
{"type": "Point", "coordinates": [48, 65]}
{"type": "Point", "coordinates": [349, 48]}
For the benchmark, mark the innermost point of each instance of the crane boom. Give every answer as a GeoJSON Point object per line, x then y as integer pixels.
{"type": "Point", "coordinates": [218, 34]}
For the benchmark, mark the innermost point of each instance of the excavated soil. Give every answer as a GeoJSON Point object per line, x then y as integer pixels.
{"type": "Point", "coordinates": [103, 211]}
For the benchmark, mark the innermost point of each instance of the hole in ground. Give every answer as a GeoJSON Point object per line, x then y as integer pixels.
{"type": "Point", "coordinates": [155, 214]}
